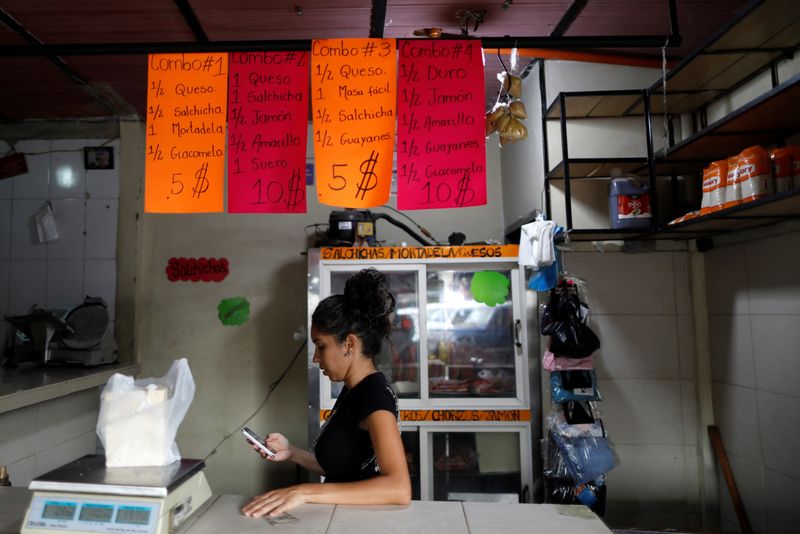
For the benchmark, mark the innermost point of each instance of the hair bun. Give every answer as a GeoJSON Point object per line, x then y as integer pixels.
{"type": "Point", "coordinates": [368, 293]}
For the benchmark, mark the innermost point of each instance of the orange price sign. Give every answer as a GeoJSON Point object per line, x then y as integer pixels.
{"type": "Point", "coordinates": [353, 93]}
{"type": "Point", "coordinates": [185, 154]}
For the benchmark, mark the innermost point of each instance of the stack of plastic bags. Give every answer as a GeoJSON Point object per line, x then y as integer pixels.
{"type": "Point", "coordinates": [577, 451]}
{"type": "Point", "coordinates": [537, 250]}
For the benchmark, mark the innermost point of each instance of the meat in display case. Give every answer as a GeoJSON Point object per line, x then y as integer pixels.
{"type": "Point", "coordinates": [470, 344]}
{"type": "Point", "coordinates": [459, 360]}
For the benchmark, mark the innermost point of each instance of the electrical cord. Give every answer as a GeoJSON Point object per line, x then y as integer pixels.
{"type": "Point", "coordinates": [425, 231]}
{"type": "Point", "coordinates": [270, 389]}
{"type": "Point", "coordinates": [320, 236]}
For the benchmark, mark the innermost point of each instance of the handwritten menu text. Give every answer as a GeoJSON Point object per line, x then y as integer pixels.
{"type": "Point", "coordinates": [353, 90]}
{"type": "Point", "coordinates": [441, 154]}
{"type": "Point", "coordinates": [185, 154]}
{"type": "Point", "coordinates": [267, 131]}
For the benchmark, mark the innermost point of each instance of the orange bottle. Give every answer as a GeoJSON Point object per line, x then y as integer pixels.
{"type": "Point", "coordinates": [714, 177]}
{"type": "Point", "coordinates": [755, 173]}
{"type": "Point", "coordinates": [733, 188]}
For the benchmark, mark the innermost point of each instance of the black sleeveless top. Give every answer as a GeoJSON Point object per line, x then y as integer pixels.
{"type": "Point", "coordinates": [343, 450]}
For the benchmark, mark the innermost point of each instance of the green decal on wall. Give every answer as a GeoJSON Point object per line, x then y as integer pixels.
{"type": "Point", "coordinates": [234, 311]}
{"type": "Point", "coordinates": [489, 287]}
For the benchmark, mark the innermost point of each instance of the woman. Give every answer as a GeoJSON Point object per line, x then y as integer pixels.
{"type": "Point", "coordinates": [358, 449]}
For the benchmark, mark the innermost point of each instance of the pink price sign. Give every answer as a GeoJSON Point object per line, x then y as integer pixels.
{"type": "Point", "coordinates": [267, 131]}
{"type": "Point", "coordinates": [441, 144]}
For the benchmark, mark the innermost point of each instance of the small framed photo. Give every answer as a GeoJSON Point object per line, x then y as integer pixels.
{"type": "Point", "coordinates": [98, 157]}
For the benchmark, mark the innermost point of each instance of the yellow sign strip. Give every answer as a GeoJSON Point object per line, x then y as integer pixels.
{"type": "Point", "coordinates": [455, 415]}
{"type": "Point", "coordinates": [419, 253]}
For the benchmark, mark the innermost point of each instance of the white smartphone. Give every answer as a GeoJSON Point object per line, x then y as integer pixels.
{"type": "Point", "coordinates": [256, 440]}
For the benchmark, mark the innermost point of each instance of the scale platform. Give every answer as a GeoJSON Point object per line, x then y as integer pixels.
{"type": "Point", "coordinates": [85, 496]}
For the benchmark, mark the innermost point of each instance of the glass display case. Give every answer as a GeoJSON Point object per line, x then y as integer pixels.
{"type": "Point", "coordinates": [458, 361]}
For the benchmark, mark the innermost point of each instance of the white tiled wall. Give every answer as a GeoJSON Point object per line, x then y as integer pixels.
{"type": "Point", "coordinates": [753, 294]}
{"type": "Point", "coordinates": [641, 310]}
{"type": "Point", "coordinates": [85, 202]}
{"type": "Point", "coordinates": [38, 438]}
{"type": "Point", "coordinates": [41, 437]}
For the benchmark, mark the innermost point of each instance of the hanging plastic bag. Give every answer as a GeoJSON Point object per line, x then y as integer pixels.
{"type": "Point", "coordinates": [564, 319]}
{"type": "Point", "coordinates": [551, 362]}
{"type": "Point", "coordinates": [139, 419]}
{"type": "Point", "coordinates": [565, 491]}
{"type": "Point", "coordinates": [46, 225]}
{"type": "Point", "coordinates": [573, 385]}
{"type": "Point", "coordinates": [556, 423]}
{"type": "Point", "coordinates": [583, 450]}
{"type": "Point", "coordinates": [546, 278]}
{"type": "Point", "coordinates": [586, 458]}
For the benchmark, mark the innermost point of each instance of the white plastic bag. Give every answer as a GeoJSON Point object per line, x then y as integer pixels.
{"type": "Point", "coordinates": [46, 224]}
{"type": "Point", "coordinates": [138, 419]}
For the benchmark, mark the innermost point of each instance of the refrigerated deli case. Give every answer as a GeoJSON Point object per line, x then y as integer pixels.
{"type": "Point", "coordinates": [466, 377]}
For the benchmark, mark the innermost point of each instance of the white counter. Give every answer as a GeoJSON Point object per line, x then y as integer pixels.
{"type": "Point", "coordinates": [222, 514]}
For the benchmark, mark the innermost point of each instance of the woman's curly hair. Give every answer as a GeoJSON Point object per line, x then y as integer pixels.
{"type": "Point", "coordinates": [363, 309]}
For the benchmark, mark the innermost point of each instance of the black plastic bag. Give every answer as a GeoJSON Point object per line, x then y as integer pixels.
{"type": "Point", "coordinates": [564, 319]}
{"type": "Point", "coordinates": [573, 340]}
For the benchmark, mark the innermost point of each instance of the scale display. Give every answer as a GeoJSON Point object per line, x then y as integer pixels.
{"type": "Point", "coordinates": [96, 512]}
{"type": "Point", "coordinates": [59, 510]}
{"type": "Point", "coordinates": [93, 514]}
{"type": "Point", "coordinates": [85, 497]}
{"type": "Point", "coordinates": [133, 516]}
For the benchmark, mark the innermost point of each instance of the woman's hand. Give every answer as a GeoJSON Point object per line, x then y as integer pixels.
{"type": "Point", "coordinates": [279, 444]}
{"type": "Point", "coordinates": [276, 502]}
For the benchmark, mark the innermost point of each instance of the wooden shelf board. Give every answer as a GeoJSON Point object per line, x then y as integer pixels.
{"type": "Point", "coordinates": [769, 210]}
{"type": "Point", "coordinates": [763, 27]}
{"type": "Point", "coordinates": [596, 168]}
{"type": "Point", "coordinates": [596, 104]}
{"type": "Point", "coordinates": [606, 234]}
{"type": "Point", "coordinates": [765, 120]}
{"type": "Point", "coordinates": [762, 212]}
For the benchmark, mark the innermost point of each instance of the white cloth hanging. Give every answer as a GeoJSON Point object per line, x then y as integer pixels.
{"type": "Point", "coordinates": [536, 244]}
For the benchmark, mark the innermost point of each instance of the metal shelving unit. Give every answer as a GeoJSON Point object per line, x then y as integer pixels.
{"type": "Point", "coordinates": [594, 105]}
{"type": "Point", "coordinates": [753, 43]}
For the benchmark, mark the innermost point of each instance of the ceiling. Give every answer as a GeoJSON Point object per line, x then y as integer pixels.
{"type": "Point", "coordinates": [62, 59]}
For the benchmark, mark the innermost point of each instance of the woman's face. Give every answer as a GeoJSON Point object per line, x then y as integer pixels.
{"type": "Point", "coordinates": [329, 354]}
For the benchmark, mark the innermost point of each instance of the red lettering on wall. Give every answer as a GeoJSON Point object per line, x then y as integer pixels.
{"type": "Point", "coordinates": [197, 269]}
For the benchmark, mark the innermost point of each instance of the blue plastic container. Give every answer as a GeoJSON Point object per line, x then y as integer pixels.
{"type": "Point", "coordinates": [629, 203]}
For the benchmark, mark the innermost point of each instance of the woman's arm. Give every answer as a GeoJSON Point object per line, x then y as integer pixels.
{"type": "Point", "coordinates": [305, 458]}
{"type": "Point", "coordinates": [391, 486]}
{"type": "Point", "coordinates": [286, 451]}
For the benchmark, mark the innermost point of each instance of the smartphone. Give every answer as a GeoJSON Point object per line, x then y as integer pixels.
{"type": "Point", "coordinates": [256, 440]}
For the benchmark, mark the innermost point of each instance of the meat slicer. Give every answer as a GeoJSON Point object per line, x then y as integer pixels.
{"type": "Point", "coordinates": [79, 335]}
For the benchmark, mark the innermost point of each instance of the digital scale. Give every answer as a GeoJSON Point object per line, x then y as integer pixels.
{"type": "Point", "coordinates": [85, 496]}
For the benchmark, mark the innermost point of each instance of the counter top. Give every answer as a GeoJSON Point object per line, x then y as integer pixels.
{"type": "Point", "coordinates": [222, 514]}
{"type": "Point", "coordinates": [13, 504]}
{"type": "Point", "coordinates": [29, 385]}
